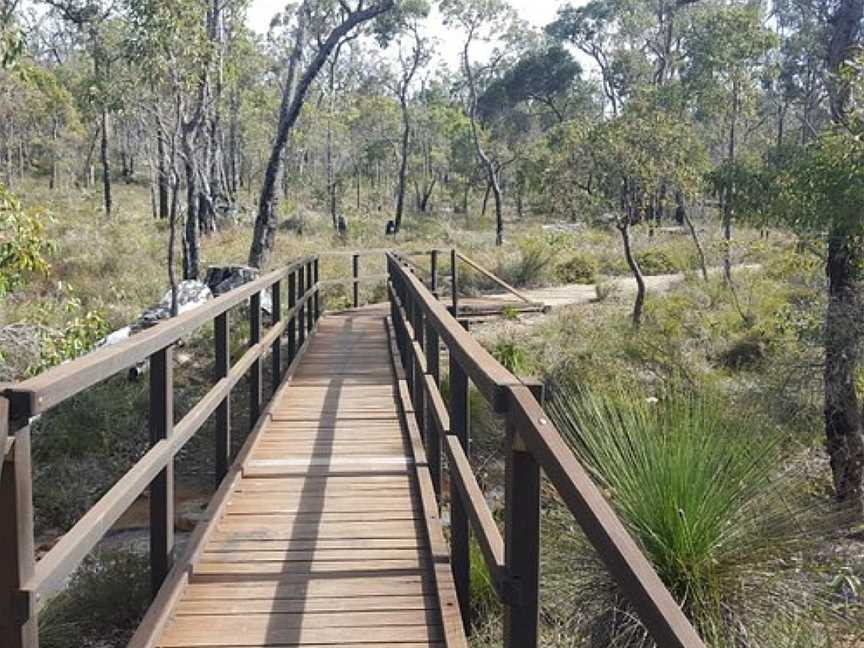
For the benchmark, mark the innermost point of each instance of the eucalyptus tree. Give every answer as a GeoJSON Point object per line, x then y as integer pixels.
{"type": "Point", "coordinates": [329, 22]}
{"type": "Point", "coordinates": [481, 20]}
{"type": "Point", "coordinates": [95, 21]}
{"type": "Point", "coordinates": [413, 51]}
{"type": "Point", "coordinates": [631, 157]}
{"type": "Point", "coordinates": [726, 46]}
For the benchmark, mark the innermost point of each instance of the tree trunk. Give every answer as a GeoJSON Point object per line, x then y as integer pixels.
{"type": "Point", "coordinates": [106, 164]}
{"type": "Point", "coordinates": [293, 97]}
{"type": "Point", "coordinates": [843, 336]}
{"type": "Point", "coordinates": [700, 252]}
{"type": "Point", "coordinates": [843, 430]}
{"type": "Point", "coordinates": [403, 163]}
{"type": "Point", "coordinates": [162, 179]}
{"type": "Point", "coordinates": [638, 306]}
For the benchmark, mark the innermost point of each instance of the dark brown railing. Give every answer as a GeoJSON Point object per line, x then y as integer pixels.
{"type": "Point", "coordinates": [25, 583]}
{"type": "Point", "coordinates": [421, 325]}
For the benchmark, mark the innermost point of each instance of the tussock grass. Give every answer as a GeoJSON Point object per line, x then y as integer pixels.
{"type": "Point", "coordinates": [717, 510]}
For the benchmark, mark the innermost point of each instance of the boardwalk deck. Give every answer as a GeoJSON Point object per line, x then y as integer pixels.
{"type": "Point", "coordinates": [324, 538]}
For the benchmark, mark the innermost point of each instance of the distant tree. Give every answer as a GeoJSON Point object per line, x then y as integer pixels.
{"type": "Point", "coordinates": [340, 20]}
{"type": "Point", "coordinates": [480, 20]}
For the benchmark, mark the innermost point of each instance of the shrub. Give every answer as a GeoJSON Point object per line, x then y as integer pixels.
{"type": "Point", "coordinates": [513, 356]}
{"type": "Point", "coordinates": [606, 289]}
{"type": "Point", "coordinates": [580, 268]}
{"type": "Point", "coordinates": [705, 495]}
{"type": "Point", "coordinates": [102, 604]}
{"type": "Point", "coordinates": [529, 266]}
{"type": "Point", "coordinates": [23, 244]}
{"type": "Point", "coordinates": [655, 261]}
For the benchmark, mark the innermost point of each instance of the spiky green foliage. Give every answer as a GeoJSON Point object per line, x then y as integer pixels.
{"type": "Point", "coordinates": [704, 492]}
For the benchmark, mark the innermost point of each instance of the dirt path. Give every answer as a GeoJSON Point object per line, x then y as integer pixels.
{"type": "Point", "coordinates": [570, 294]}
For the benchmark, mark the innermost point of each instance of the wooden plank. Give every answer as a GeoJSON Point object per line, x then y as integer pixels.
{"type": "Point", "coordinates": [307, 606]}
{"type": "Point", "coordinates": [262, 634]}
{"type": "Point", "coordinates": [493, 277]}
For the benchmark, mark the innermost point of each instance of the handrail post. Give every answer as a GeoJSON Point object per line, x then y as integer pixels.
{"type": "Point", "coordinates": [301, 314]}
{"type": "Point", "coordinates": [460, 417]}
{"type": "Point", "coordinates": [161, 424]}
{"type": "Point", "coordinates": [454, 283]}
{"type": "Point", "coordinates": [310, 315]}
{"type": "Point", "coordinates": [292, 322]}
{"type": "Point", "coordinates": [255, 396]}
{"type": "Point", "coordinates": [433, 272]}
{"type": "Point", "coordinates": [355, 271]}
{"type": "Point", "coordinates": [316, 277]}
{"type": "Point", "coordinates": [433, 438]}
{"type": "Point", "coordinates": [223, 412]}
{"type": "Point", "coordinates": [18, 624]}
{"type": "Point", "coordinates": [276, 349]}
{"type": "Point", "coordinates": [522, 538]}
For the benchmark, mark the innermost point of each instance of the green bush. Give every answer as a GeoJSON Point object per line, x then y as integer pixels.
{"type": "Point", "coordinates": [529, 266]}
{"type": "Point", "coordinates": [101, 606]}
{"type": "Point", "coordinates": [580, 268]}
{"type": "Point", "coordinates": [23, 243]}
{"type": "Point", "coordinates": [705, 494]}
{"type": "Point", "coordinates": [656, 261]}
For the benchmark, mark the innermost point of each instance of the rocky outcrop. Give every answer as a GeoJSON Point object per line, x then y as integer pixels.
{"type": "Point", "coordinates": [221, 279]}
{"type": "Point", "coordinates": [190, 293]}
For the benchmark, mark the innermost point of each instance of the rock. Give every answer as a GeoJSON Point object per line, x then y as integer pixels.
{"type": "Point", "coordinates": [113, 338]}
{"type": "Point", "coordinates": [190, 293]}
{"type": "Point", "coordinates": [221, 279]}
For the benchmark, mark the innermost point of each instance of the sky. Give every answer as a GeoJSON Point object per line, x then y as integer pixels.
{"type": "Point", "coordinates": [535, 12]}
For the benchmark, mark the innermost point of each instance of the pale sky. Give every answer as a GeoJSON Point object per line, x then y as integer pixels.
{"type": "Point", "coordinates": [536, 12]}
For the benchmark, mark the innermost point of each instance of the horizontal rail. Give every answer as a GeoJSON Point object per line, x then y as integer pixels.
{"type": "Point", "coordinates": [485, 530]}
{"type": "Point", "coordinates": [40, 393]}
{"type": "Point", "coordinates": [484, 371]}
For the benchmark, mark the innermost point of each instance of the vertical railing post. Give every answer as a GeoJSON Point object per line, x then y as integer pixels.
{"type": "Point", "coordinates": [316, 278]}
{"type": "Point", "coordinates": [433, 438]}
{"type": "Point", "coordinates": [18, 624]}
{"type": "Point", "coordinates": [522, 538]}
{"type": "Point", "coordinates": [355, 282]}
{"type": "Point", "coordinates": [161, 424]}
{"type": "Point", "coordinates": [301, 314]}
{"type": "Point", "coordinates": [276, 349]}
{"type": "Point", "coordinates": [420, 376]}
{"type": "Point", "coordinates": [454, 282]}
{"type": "Point", "coordinates": [460, 417]}
{"type": "Point", "coordinates": [310, 321]}
{"type": "Point", "coordinates": [222, 338]}
{"type": "Point", "coordinates": [433, 272]}
{"type": "Point", "coordinates": [255, 396]}
{"type": "Point", "coordinates": [292, 322]}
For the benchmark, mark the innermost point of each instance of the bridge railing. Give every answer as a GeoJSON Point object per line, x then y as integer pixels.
{"type": "Point", "coordinates": [25, 583]}
{"type": "Point", "coordinates": [422, 324]}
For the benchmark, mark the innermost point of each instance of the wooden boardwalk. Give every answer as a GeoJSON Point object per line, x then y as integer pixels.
{"type": "Point", "coordinates": [324, 539]}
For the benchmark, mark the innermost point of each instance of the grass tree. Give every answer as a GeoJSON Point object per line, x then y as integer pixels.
{"type": "Point", "coordinates": [703, 492]}
{"type": "Point", "coordinates": [631, 158]}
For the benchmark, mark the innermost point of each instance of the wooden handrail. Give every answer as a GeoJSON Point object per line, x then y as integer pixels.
{"type": "Point", "coordinates": [533, 444]}
{"type": "Point", "coordinates": [496, 279]}
{"type": "Point", "coordinates": [25, 583]}
{"type": "Point", "coordinates": [40, 393]}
